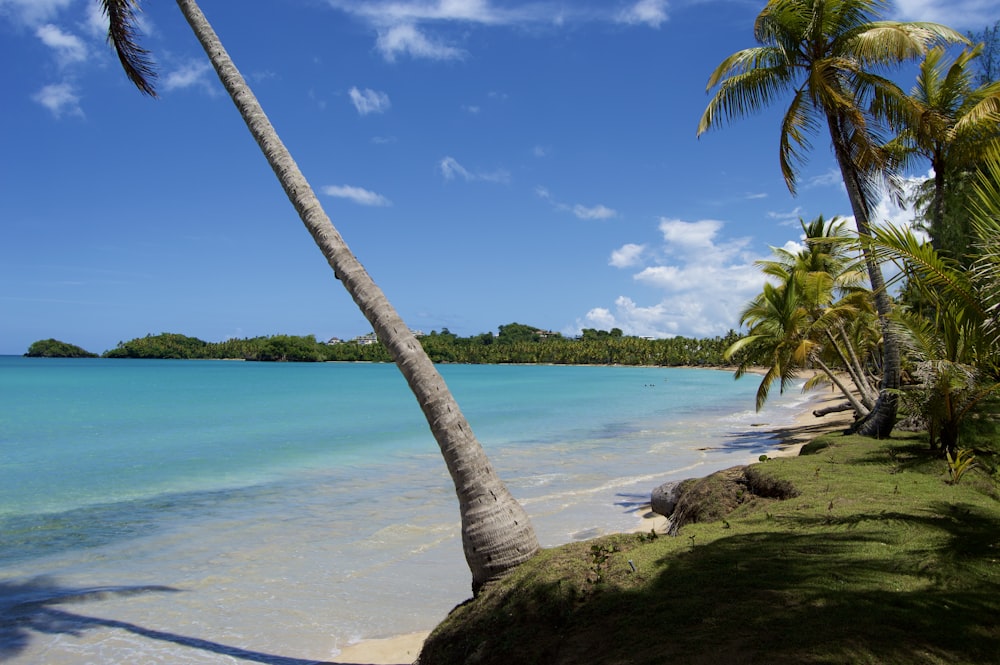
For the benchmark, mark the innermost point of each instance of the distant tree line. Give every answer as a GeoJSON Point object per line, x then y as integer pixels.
{"type": "Point", "coordinates": [515, 343]}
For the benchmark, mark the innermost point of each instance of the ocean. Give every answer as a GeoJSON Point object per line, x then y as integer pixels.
{"type": "Point", "coordinates": [196, 512]}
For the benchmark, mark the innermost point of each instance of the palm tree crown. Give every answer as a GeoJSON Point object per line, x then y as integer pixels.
{"type": "Point", "coordinates": [826, 54]}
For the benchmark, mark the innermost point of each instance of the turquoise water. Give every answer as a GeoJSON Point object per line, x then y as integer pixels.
{"type": "Point", "coordinates": [212, 511]}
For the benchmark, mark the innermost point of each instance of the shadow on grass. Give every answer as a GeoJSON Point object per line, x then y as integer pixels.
{"type": "Point", "coordinates": [34, 607]}
{"type": "Point", "coordinates": [770, 597]}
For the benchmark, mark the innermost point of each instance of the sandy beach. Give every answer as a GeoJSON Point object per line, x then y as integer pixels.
{"type": "Point", "coordinates": [789, 440]}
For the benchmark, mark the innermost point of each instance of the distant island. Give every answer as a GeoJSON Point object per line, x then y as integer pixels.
{"type": "Point", "coordinates": [53, 348]}
{"type": "Point", "coordinates": [515, 343]}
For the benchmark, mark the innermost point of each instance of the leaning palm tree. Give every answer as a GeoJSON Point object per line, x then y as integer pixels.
{"type": "Point", "coordinates": [496, 532]}
{"type": "Point", "coordinates": [831, 280]}
{"type": "Point", "coordinates": [802, 319]}
{"type": "Point", "coordinates": [825, 53]}
{"type": "Point", "coordinates": [953, 124]}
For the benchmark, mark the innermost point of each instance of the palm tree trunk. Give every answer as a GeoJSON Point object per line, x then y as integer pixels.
{"type": "Point", "coordinates": [496, 532]}
{"type": "Point", "coordinates": [882, 418]}
{"type": "Point", "coordinates": [859, 409]}
{"type": "Point", "coordinates": [849, 356]}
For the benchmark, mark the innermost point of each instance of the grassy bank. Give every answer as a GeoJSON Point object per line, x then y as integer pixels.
{"type": "Point", "coordinates": [877, 559]}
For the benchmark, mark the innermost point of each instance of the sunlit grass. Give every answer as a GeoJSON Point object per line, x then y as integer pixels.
{"type": "Point", "coordinates": [879, 559]}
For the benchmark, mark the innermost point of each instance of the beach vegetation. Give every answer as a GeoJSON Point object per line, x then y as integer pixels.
{"type": "Point", "coordinates": [814, 313]}
{"type": "Point", "coordinates": [880, 542]}
{"type": "Point", "coordinates": [496, 532]}
{"type": "Point", "coordinates": [827, 57]}
{"type": "Point", "coordinates": [953, 339]}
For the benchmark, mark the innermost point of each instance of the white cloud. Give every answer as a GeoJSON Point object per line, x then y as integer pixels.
{"type": "Point", "coordinates": [60, 98]}
{"type": "Point", "coordinates": [406, 39]}
{"type": "Point", "coordinates": [68, 47]}
{"type": "Point", "coordinates": [32, 12]}
{"type": "Point", "coordinates": [595, 212]}
{"type": "Point", "coordinates": [358, 195]}
{"type": "Point", "coordinates": [831, 178]}
{"type": "Point", "coordinates": [191, 75]}
{"type": "Point", "coordinates": [790, 218]}
{"type": "Point", "coordinates": [648, 12]}
{"type": "Point", "coordinates": [627, 255]}
{"type": "Point", "coordinates": [704, 281]}
{"type": "Point", "coordinates": [581, 211]}
{"type": "Point", "coordinates": [451, 169]}
{"type": "Point", "coordinates": [959, 14]}
{"type": "Point", "coordinates": [689, 235]}
{"type": "Point", "coordinates": [405, 27]}
{"type": "Point", "coordinates": [369, 101]}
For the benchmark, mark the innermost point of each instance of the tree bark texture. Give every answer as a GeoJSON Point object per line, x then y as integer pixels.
{"type": "Point", "coordinates": [882, 418]}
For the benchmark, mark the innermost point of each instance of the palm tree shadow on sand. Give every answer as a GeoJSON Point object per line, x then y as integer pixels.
{"type": "Point", "coordinates": [31, 607]}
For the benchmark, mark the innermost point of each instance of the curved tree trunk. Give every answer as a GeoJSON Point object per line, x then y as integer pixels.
{"type": "Point", "coordinates": [860, 410]}
{"type": "Point", "coordinates": [496, 532]}
{"type": "Point", "coordinates": [882, 419]}
{"type": "Point", "coordinates": [867, 396]}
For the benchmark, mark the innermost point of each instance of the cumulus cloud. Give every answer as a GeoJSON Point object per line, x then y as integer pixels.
{"type": "Point", "coordinates": [451, 169]}
{"type": "Point", "coordinates": [407, 39]}
{"type": "Point", "coordinates": [369, 101]}
{"type": "Point", "coordinates": [648, 12]}
{"type": "Point", "coordinates": [358, 195]}
{"type": "Point", "coordinates": [704, 281]}
{"type": "Point", "coordinates": [68, 47]}
{"type": "Point", "coordinates": [194, 74]}
{"type": "Point", "coordinates": [59, 98]}
{"type": "Point", "coordinates": [627, 255]}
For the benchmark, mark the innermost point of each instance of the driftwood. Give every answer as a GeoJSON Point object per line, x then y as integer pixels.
{"type": "Point", "coordinates": [844, 406]}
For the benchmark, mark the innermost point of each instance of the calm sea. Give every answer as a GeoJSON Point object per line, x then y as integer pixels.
{"type": "Point", "coordinates": [227, 512]}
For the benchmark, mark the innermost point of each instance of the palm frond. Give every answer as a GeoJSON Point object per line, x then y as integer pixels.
{"type": "Point", "coordinates": [799, 122]}
{"type": "Point", "coordinates": [744, 91]}
{"type": "Point", "coordinates": [122, 34]}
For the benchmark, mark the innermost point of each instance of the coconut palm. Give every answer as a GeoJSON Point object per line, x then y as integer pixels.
{"type": "Point", "coordinates": [956, 351]}
{"type": "Point", "coordinates": [805, 319]}
{"type": "Point", "coordinates": [831, 283]}
{"type": "Point", "coordinates": [496, 532]}
{"type": "Point", "coordinates": [825, 53]}
{"type": "Point", "coordinates": [952, 124]}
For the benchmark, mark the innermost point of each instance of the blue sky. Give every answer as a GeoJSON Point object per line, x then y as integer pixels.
{"type": "Point", "coordinates": [488, 162]}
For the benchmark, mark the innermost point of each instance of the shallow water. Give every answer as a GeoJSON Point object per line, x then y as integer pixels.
{"type": "Point", "coordinates": [225, 512]}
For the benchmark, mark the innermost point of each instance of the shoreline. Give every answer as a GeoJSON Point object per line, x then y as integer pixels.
{"type": "Point", "coordinates": [788, 440]}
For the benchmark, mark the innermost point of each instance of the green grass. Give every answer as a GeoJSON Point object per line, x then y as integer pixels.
{"type": "Point", "coordinates": [879, 559]}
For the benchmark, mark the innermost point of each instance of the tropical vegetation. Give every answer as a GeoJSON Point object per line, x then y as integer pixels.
{"type": "Point", "coordinates": [827, 55]}
{"type": "Point", "coordinates": [53, 348]}
{"type": "Point", "coordinates": [515, 343]}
